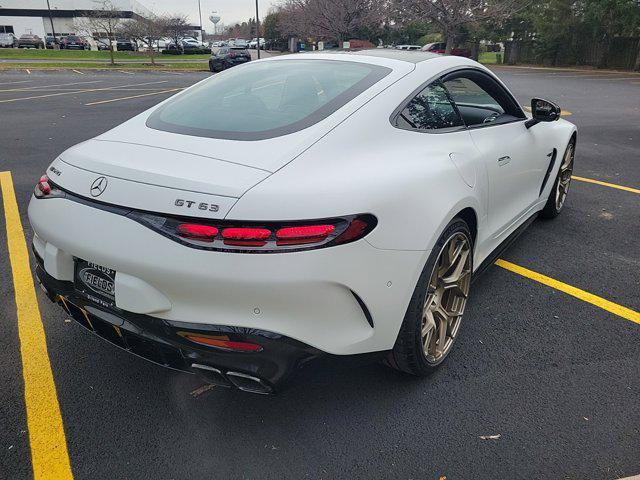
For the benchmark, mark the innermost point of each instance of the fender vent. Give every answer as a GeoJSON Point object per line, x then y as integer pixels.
{"type": "Point", "coordinates": [552, 162]}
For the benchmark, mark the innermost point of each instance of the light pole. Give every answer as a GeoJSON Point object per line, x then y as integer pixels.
{"type": "Point", "coordinates": [257, 30]}
{"type": "Point", "coordinates": [200, 14]}
{"type": "Point", "coordinates": [53, 31]}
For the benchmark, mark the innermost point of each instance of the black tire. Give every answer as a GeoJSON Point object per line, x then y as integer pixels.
{"type": "Point", "coordinates": [211, 69]}
{"type": "Point", "coordinates": [551, 209]}
{"type": "Point", "coordinates": [408, 354]}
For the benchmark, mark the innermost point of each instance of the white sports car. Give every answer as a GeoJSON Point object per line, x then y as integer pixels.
{"type": "Point", "coordinates": [303, 205]}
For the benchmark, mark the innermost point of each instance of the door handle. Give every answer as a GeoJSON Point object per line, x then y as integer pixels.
{"type": "Point", "coordinates": [504, 160]}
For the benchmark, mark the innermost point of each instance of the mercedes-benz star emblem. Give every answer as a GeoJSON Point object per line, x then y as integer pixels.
{"type": "Point", "coordinates": [98, 186]}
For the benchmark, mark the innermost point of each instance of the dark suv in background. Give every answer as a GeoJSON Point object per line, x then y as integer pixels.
{"type": "Point", "coordinates": [126, 44]}
{"type": "Point", "coordinates": [228, 57]}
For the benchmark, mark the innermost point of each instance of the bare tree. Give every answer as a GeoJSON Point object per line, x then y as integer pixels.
{"type": "Point", "coordinates": [104, 20]}
{"type": "Point", "coordinates": [147, 31]}
{"type": "Point", "coordinates": [453, 15]}
{"type": "Point", "coordinates": [176, 27]}
{"type": "Point", "coordinates": [334, 19]}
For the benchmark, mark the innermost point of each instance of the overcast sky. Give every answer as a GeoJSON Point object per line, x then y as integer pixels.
{"type": "Point", "coordinates": [231, 11]}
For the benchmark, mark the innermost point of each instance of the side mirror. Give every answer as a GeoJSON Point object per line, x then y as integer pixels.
{"type": "Point", "coordinates": [543, 111]}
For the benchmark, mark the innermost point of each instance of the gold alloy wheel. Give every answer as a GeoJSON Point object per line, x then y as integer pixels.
{"type": "Point", "coordinates": [446, 298]}
{"type": "Point", "coordinates": [566, 170]}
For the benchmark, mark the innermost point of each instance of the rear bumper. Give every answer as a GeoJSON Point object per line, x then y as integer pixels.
{"type": "Point", "coordinates": [343, 300]}
{"type": "Point", "coordinates": [162, 342]}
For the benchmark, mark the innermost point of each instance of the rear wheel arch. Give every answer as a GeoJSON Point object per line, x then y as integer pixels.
{"type": "Point", "coordinates": [471, 219]}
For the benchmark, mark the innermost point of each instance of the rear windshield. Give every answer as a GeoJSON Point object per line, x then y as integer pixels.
{"type": "Point", "coordinates": [266, 99]}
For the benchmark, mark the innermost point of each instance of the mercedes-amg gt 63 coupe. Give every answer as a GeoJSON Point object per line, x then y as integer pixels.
{"type": "Point", "coordinates": [298, 206]}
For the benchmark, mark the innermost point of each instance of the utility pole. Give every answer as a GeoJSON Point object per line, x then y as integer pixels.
{"type": "Point", "coordinates": [257, 30]}
{"type": "Point", "coordinates": [53, 31]}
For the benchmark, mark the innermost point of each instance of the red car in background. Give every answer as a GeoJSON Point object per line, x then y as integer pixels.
{"type": "Point", "coordinates": [440, 47]}
{"type": "Point", "coordinates": [73, 42]}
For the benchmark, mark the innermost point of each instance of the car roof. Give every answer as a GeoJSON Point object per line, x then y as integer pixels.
{"type": "Point", "coordinates": [405, 56]}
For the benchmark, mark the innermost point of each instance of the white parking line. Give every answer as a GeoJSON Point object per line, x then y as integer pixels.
{"type": "Point", "coordinates": [128, 73]}
{"type": "Point", "coordinates": [100, 102]}
{"type": "Point", "coordinates": [79, 91]}
{"type": "Point", "coordinates": [13, 83]}
{"type": "Point", "coordinates": [78, 71]}
{"type": "Point", "coordinates": [54, 85]}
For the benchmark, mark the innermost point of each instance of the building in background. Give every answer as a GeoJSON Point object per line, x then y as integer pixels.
{"type": "Point", "coordinates": [31, 16]}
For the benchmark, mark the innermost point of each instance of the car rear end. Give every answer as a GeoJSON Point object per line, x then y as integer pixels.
{"type": "Point", "coordinates": [150, 255]}
{"type": "Point", "coordinates": [72, 42]}
{"type": "Point", "coordinates": [238, 55]}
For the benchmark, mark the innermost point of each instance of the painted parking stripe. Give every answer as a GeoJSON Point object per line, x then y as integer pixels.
{"type": "Point", "coordinates": [600, 302]}
{"type": "Point", "coordinates": [53, 85]}
{"type": "Point", "coordinates": [79, 91]}
{"type": "Point", "coordinates": [606, 184]}
{"type": "Point", "coordinates": [13, 83]}
{"type": "Point", "coordinates": [49, 455]}
{"type": "Point", "coordinates": [131, 97]}
{"type": "Point", "coordinates": [78, 72]}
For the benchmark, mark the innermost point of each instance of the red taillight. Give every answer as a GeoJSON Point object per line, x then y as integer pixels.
{"type": "Point", "coordinates": [356, 229]}
{"type": "Point", "coordinates": [246, 236]}
{"type": "Point", "coordinates": [303, 234]}
{"type": "Point", "coordinates": [264, 237]}
{"type": "Point", "coordinates": [43, 185]}
{"type": "Point", "coordinates": [205, 233]}
{"type": "Point", "coordinates": [224, 342]}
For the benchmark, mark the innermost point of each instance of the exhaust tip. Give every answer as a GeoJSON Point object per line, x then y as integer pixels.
{"type": "Point", "coordinates": [247, 383]}
{"type": "Point", "coordinates": [211, 375]}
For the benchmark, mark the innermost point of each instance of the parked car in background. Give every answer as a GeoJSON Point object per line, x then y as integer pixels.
{"type": "Point", "coordinates": [408, 47]}
{"type": "Point", "coordinates": [126, 44]}
{"type": "Point", "coordinates": [8, 40]}
{"type": "Point", "coordinates": [186, 43]}
{"type": "Point", "coordinates": [219, 44]}
{"type": "Point", "coordinates": [50, 41]}
{"type": "Point", "coordinates": [228, 57]}
{"type": "Point", "coordinates": [440, 47]}
{"type": "Point", "coordinates": [73, 42]}
{"type": "Point", "coordinates": [30, 41]}
{"type": "Point", "coordinates": [254, 43]}
{"type": "Point", "coordinates": [103, 43]}
{"type": "Point", "coordinates": [241, 43]}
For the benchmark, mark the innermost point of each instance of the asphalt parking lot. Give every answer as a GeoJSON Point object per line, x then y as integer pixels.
{"type": "Point", "coordinates": [541, 384]}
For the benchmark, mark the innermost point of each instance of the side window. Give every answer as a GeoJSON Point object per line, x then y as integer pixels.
{"type": "Point", "coordinates": [430, 109]}
{"type": "Point", "coordinates": [480, 99]}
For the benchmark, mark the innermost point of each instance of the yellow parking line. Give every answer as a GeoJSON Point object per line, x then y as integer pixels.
{"type": "Point", "coordinates": [605, 184]}
{"type": "Point", "coordinates": [611, 307]}
{"type": "Point", "coordinates": [132, 96]}
{"type": "Point", "coordinates": [49, 456]}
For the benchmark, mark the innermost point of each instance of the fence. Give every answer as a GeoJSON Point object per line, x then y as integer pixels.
{"type": "Point", "coordinates": [621, 53]}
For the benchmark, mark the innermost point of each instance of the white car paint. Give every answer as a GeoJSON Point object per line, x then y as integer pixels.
{"type": "Point", "coordinates": [353, 161]}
